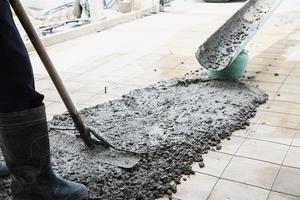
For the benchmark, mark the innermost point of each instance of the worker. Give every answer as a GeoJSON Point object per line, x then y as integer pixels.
{"type": "Point", "coordinates": [24, 137]}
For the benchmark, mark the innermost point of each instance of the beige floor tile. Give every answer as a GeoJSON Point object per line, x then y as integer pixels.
{"type": "Point", "coordinates": [273, 134]}
{"type": "Point", "coordinates": [196, 187]}
{"type": "Point", "coordinates": [265, 151]}
{"type": "Point", "coordinates": [279, 196]}
{"type": "Point", "coordinates": [154, 57]}
{"type": "Point", "coordinates": [277, 119]}
{"type": "Point", "coordinates": [95, 87]}
{"type": "Point", "coordinates": [272, 62]}
{"type": "Point", "coordinates": [258, 69]}
{"type": "Point", "coordinates": [120, 89]}
{"type": "Point", "coordinates": [82, 97]}
{"type": "Point", "coordinates": [99, 99]}
{"type": "Point", "coordinates": [231, 146]}
{"type": "Point", "coordinates": [296, 72]}
{"type": "Point", "coordinates": [285, 107]}
{"type": "Point", "coordinates": [56, 108]}
{"type": "Point", "coordinates": [293, 79]}
{"type": "Point", "coordinates": [215, 163]}
{"type": "Point", "coordinates": [174, 73]}
{"type": "Point", "coordinates": [267, 86]}
{"type": "Point", "coordinates": [267, 105]}
{"type": "Point", "coordinates": [74, 86]}
{"type": "Point", "coordinates": [271, 94]}
{"type": "Point", "coordinates": [43, 84]}
{"type": "Point", "coordinates": [292, 159]}
{"type": "Point", "coordinates": [290, 88]}
{"type": "Point", "coordinates": [296, 140]}
{"type": "Point", "coordinates": [290, 97]}
{"type": "Point", "coordinates": [288, 181]}
{"type": "Point", "coordinates": [252, 172]}
{"type": "Point", "coordinates": [52, 95]}
{"type": "Point", "coordinates": [266, 77]}
{"type": "Point", "coordinates": [236, 191]}
{"type": "Point", "coordinates": [257, 118]}
{"type": "Point", "coordinates": [244, 132]}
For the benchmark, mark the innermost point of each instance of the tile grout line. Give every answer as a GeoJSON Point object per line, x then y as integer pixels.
{"type": "Point", "coordinates": [292, 69]}
{"type": "Point", "coordinates": [271, 190]}
{"type": "Point", "coordinates": [268, 141]}
{"type": "Point", "coordinates": [270, 111]}
{"type": "Point", "coordinates": [260, 160]}
{"type": "Point", "coordinates": [258, 187]}
{"type": "Point", "coordinates": [232, 156]}
{"type": "Point", "coordinates": [296, 129]}
{"type": "Point", "coordinates": [247, 137]}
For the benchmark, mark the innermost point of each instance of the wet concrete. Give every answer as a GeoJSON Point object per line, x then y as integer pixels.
{"type": "Point", "coordinates": [225, 44]}
{"type": "Point", "coordinates": [173, 123]}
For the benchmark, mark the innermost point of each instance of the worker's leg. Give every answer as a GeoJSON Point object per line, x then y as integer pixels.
{"type": "Point", "coordinates": [16, 78]}
{"type": "Point", "coordinates": [23, 126]}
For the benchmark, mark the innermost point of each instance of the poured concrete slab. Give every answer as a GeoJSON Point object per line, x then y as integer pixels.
{"type": "Point", "coordinates": [171, 122]}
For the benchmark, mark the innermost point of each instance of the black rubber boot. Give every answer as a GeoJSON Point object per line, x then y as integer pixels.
{"type": "Point", "coordinates": [3, 170]}
{"type": "Point", "coordinates": [25, 145]}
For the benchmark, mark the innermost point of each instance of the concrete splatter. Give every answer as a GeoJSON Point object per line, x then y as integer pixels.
{"type": "Point", "coordinates": [172, 123]}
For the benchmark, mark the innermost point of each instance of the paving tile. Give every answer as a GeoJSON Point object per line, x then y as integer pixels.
{"type": "Point", "coordinates": [244, 132]}
{"type": "Point", "coordinates": [215, 163]}
{"type": "Point", "coordinates": [197, 187]}
{"type": "Point", "coordinates": [273, 134]}
{"type": "Point", "coordinates": [266, 106]}
{"type": "Point", "coordinates": [293, 79]}
{"type": "Point", "coordinates": [266, 77]}
{"type": "Point", "coordinates": [290, 88]}
{"type": "Point", "coordinates": [100, 98]}
{"type": "Point", "coordinates": [56, 108]}
{"type": "Point", "coordinates": [285, 107]}
{"type": "Point", "coordinates": [277, 119]}
{"type": "Point", "coordinates": [288, 181]}
{"type": "Point", "coordinates": [280, 196]}
{"type": "Point", "coordinates": [95, 87]}
{"type": "Point", "coordinates": [269, 70]}
{"type": "Point", "coordinates": [231, 146]}
{"type": "Point", "coordinates": [236, 191]}
{"type": "Point", "coordinates": [296, 72]}
{"type": "Point", "coordinates": [267, 86]}
{"type": "Point", "coordinates": [82, 97]}
{"type": "Point", "coordinates": [52, 95]}
{"type": "Point", "coordinates": [251, 172]}
{"type": "Point", "coordinates": [272, 62]}
{"type": "Point", "coordinates": [296, 140]}
{"type": "Point", "coordinates": [265, 151]}
{"type": "Point", "coordinates": [119, 89]}
{"type": "Point", "coordinates": [43, 84]}
{"type": "Point", "coordinates": [292, 159]}
{"type": "Point", "coordinates": [290, 97]}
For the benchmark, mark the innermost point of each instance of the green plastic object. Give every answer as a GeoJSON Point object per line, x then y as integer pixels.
{"type": "Point", "coordinates": [234, 71]}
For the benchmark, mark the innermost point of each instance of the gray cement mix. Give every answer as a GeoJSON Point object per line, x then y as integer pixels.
{"type": "Point", "coordinates": [171, 123]}
{"type": "Point", "coordinates": [220, 50]}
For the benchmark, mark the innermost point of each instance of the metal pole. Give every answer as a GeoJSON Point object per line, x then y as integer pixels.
{"type": "Point", "coordinates": [39, 47]}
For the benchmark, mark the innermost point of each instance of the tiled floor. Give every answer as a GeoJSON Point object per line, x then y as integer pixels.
{"type": "Point", "coordinates": [259, 163]}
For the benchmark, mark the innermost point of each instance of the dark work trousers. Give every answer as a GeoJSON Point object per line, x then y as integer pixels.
{"type": "Point", "coordinates": [17, 90]}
